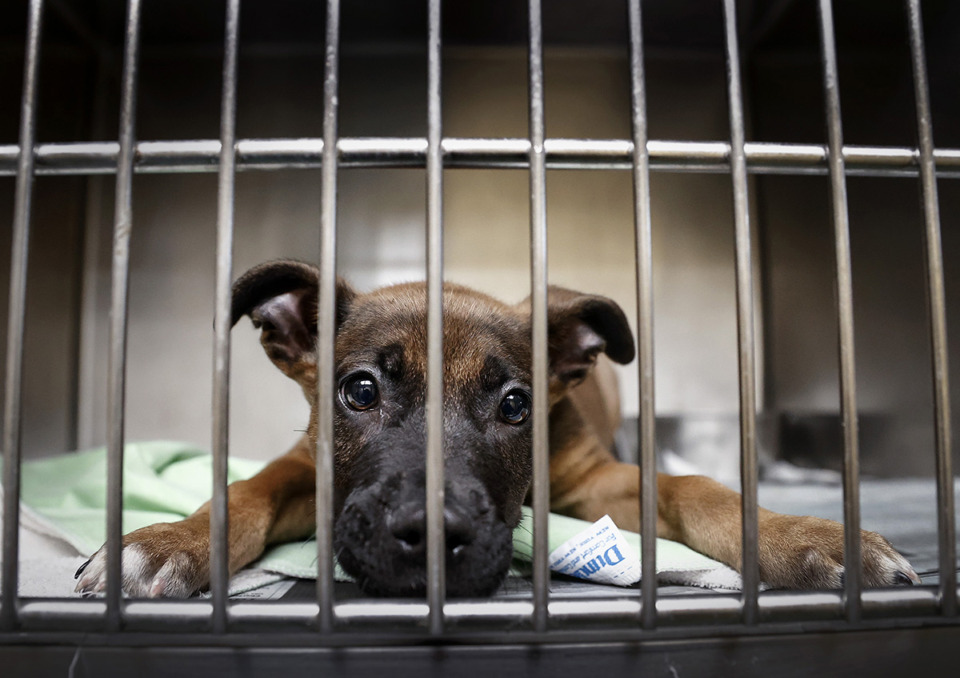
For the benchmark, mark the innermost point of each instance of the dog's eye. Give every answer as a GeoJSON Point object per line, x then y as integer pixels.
{"type": "Point", "coordinates": [360, 392]}
{"type": "Point", "coordinates": [515, 407]}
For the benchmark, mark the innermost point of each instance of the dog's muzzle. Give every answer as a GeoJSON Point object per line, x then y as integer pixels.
{"type": "Point", "coordinates": [380, 537]}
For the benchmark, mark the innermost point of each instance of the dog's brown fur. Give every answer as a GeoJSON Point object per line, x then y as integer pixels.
{"type": "Point", "coordinates": [586, 480]}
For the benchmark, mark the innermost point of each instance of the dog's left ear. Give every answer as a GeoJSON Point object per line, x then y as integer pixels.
{"type": "Point", "coordinates": [281, 299]}
{"type": "Point", "coordinates": [580, 327]}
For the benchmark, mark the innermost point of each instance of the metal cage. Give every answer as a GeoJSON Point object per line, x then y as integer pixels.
{"type": "Point", "coordinates": [754, 633]}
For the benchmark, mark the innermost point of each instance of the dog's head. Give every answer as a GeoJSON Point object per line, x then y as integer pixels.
{"type": "Point", "coordinates": [379, 412]}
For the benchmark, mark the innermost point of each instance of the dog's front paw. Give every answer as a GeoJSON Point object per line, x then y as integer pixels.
{"type": "Point", "coordinates": [164, 560]}
{"type": "Point", "coordinates": [807, 553]}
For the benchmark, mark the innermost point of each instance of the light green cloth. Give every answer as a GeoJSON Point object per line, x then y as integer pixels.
{"type": "Point", "coordinates": [166, 481]}
{"type": "Point", "coordinates": [162, 482]}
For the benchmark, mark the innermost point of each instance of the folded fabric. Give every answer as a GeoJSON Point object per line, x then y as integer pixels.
{"type": "Point", "coordinates": [65, 497]}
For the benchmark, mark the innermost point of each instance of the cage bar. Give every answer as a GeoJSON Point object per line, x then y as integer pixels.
{"type": "Point", "coordinates": [745, 333]}
{"type": "Point", "coordinates": [219, 514]}
{"type": "Point", "coordinates": [120, 284]}
{"type": "Point", "coordinates": [326, 314]}
{"type": "Point", "coordinates": [436, 542]}
{"type": "Point", "coordinates": [538, 306]}
{"type": "Point", "coordinates": [19, 251]}
{"type": "Point", "coordinates": [364, 622]}
{"type": "Point", "coordinates": [82, 158]}
{"type": "Point", "coordinates": [853, 573]}
{"type": "Point", "coordinates": [936, 299]}
{"type": "Point", "coordinates": [644, 243]}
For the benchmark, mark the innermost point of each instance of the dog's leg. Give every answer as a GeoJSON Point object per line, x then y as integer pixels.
{"type": "Point", "coordinates": [173, 559]}
{"type": "Point", "coordinates": [794, 551]}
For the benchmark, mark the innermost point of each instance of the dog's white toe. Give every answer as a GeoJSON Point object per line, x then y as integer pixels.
{"type": "Point", "coordinates": [134, 566]}
{"type": "Point", "coordinates": [154, 564]}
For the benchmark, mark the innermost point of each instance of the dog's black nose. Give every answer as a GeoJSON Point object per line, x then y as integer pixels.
{"type": "Point", "coordinates": [408, 524]}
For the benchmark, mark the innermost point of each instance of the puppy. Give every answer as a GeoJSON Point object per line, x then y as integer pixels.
{"type": "Point", "coordinates": [380, 436]}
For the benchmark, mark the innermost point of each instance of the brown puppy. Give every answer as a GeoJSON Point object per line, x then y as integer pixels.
{"type": "Point", "coordinates": [379, 495]}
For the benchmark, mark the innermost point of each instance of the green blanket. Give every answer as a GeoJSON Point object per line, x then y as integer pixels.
{"type": "Point", "coordinates": [166, 481]}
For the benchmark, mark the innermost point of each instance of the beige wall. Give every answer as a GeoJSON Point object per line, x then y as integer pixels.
{"type": "Point", "coordinates": [381, 227]}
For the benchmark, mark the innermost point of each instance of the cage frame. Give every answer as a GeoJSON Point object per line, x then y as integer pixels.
{"type": "Point", "coordinates": [473, 626]}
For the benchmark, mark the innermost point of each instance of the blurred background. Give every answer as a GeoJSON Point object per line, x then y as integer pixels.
{"type": "Point", "coordinates": [590, 213]}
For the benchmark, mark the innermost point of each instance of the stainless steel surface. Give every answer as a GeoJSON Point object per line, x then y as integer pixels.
{"type": "Point", "coordinates": [538, 306]}
{"type": "Point", "coordinates": [20, 249]}
{"type": "Point", "coordinates": [848, 382]}
{"type": "Point", "coordinates": [120, 284]}
{"type": "Point", "coordinates": [644, 244]}
{"type": "Point", "coordinates": [436, 541]}
{"type": "Point", "coordinates": [219, 516]}
{"type": "Point", "coordinates": [745, 322]}
{"type": "Point", "coordinates": [665, 156]}
{"type": "Point", "coordinates": [946, 516]}
{"type": "Point", "coordinates": [709, 614]}
{"type": "Point", "coordinates": [326, 316]}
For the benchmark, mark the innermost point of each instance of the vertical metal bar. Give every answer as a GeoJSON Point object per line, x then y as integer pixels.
{"type": "Point", "coordinates": [20, 248]}
{"type": "Point", "coordinates": [326, 369]}
{"type": "Point", "coordinates": [745, 321]}
{"type": "Point", "coordinates": [219, 515]}
{"type": "Point", "coordinates": [644, 245]}
{"type": "Point", "coordinates": [848, 383]}
{"type": "Point", "coordinates": [946, 518]}
{"type": "Point", "coordinates": [538, 284]}
{"type": "Point", "coordinates": [122, 226]}
{"type": "Point", "coordinates": [436, 542]}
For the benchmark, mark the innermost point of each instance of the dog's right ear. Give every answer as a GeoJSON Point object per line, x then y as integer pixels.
{"type": "Point", "coordinates": [281, 299]}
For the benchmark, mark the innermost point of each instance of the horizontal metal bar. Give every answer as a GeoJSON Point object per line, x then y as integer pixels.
{"type": "Point", "coordinates": [885, 606]}
{"type": "Point", "coordinates": [203, 155]}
